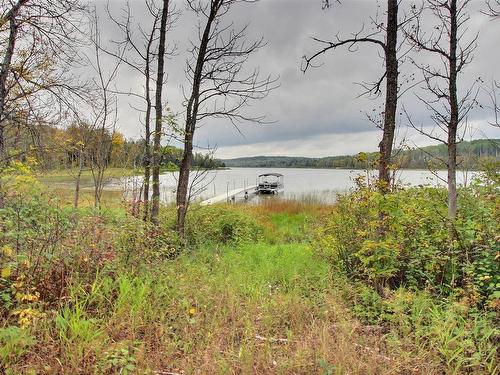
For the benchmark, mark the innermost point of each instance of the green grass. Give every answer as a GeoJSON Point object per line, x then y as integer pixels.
{"type": "Point", "coordinates": [201, 307]}
{"type": "Point", "coordinates": [68, 175]}
{"type": "Point", "coordinates": [257, 269]}
{"type": "Point", "coordinates": [290, 227]}
{"type": "Point", "coordinates": [250, 295]}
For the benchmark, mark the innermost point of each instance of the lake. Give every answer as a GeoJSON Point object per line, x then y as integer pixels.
{"type": "Point", "coordinates": [300, 183]}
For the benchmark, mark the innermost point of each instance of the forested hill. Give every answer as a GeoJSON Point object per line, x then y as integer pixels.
{"type": "Point", "coordinates": [470, 154]}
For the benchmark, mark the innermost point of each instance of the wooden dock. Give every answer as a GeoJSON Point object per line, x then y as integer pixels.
{"type": "Point", "coordinates": [228, 195]}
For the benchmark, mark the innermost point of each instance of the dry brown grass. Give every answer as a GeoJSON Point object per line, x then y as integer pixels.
{"type": "Point", "coordinates": [237, 344]}
{"type": "Point", "coordinates": [66, 196]}
{"type": "Point", "coordinates": [293, 207]}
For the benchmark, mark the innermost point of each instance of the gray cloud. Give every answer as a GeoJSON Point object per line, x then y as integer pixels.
{"type": "Point", "coordinates": [313, 114]}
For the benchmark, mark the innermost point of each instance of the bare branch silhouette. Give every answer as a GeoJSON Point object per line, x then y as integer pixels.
{"type": "Point", "coordinates": [222, 87]}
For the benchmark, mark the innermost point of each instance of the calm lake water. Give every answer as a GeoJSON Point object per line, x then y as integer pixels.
{"type": "Point", "coordinates": [300, 183]}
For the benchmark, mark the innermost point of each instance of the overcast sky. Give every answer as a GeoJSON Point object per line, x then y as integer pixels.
{"type": "Point", "coordinates": [313, 114]}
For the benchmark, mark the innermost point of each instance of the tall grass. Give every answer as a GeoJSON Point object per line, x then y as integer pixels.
{"type": "Point", "coordinates": [248, 296]}
{"type": "Point", "coordinates": [258, 308]}
{"type": "Point", "coordinates": [255, 309]}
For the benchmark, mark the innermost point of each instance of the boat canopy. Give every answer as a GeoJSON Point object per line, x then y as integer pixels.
{"type": "Point", "coordinates": [271, 174]}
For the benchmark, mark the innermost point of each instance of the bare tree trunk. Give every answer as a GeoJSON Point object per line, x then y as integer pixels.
{"type": "Point", "coordinates": [452, 176]}
{"type": "Point", "coordinates": [183, 185]}
{"type": "Point", "coordinates": [4, 73]}
{"type": "Point", "coordinates": [98, 180]}
{"type": "Point", "coordinates": [192, 113]}
{"type": "Point", "coordinates": [155, 198]}
{"type": "Point", "coordinates": [147, 150]}
{"type": "Point", "coordinates": [455, 54]}
{"type": "Point", "coordinates": [215, 72]}
{"type": "Point", "coordinates": [103, 150]}
{"type": "Point", "coordinates": [391, 96]}
{"type": "Point", "coordinates": [77, 184]}
{"type": "Point", "coordinates": [147, 147]}
{"type": "Point", "coordinates": [454, 115]}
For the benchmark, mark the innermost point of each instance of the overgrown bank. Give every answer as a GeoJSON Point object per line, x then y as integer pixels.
{"type": "Point", "coordinates": [285, 288]}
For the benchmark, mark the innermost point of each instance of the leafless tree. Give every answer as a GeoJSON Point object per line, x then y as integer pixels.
{"type": "Point", "coordinates": [160, 76]}
{"type": "Point", "coordinates": [80, 135]}
{"type": "Point", "coordinates": [141, 56]}
{"type": "Point", "coordinates": [384, 35]}
{"type": "Point", "coordinates": [220, 85]}
{"type": "Point", "coordinates": [78, 178]}
{"type": "Point", "coordinates": [39, 42]}
{"type": "Point", "coordinates": [103, 109]}
{"type": "Point", "coordinates": [447, 40]}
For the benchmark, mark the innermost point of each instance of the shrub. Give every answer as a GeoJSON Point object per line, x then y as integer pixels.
{"type": "Point", "coordinates": [222, 224]}
{"type": "Point", "coordinates": [368, 306]}
{"type": "Point", "coordinates": [43, 247]}
{"type": "Point", "coordinates": [142, 242]}
{"type": "Point", "coordinates": [403, 238]}
{"type": "Point", "coordinates": [32, 226]}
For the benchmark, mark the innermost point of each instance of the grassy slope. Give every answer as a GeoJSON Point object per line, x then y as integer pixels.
{"type": "Point", "coordinates": [257, 308]}
{"type": "Point", "coordinates": [269, 307]}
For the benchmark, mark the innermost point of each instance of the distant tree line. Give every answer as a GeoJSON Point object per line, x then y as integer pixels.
{"type": "Point", "coordinates": [77, 144]}
{"type": "Point", "coordinates": [470, 155]}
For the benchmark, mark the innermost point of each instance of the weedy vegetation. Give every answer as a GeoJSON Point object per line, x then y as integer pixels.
{"type": "Point", "coordinates": [284, 287]}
